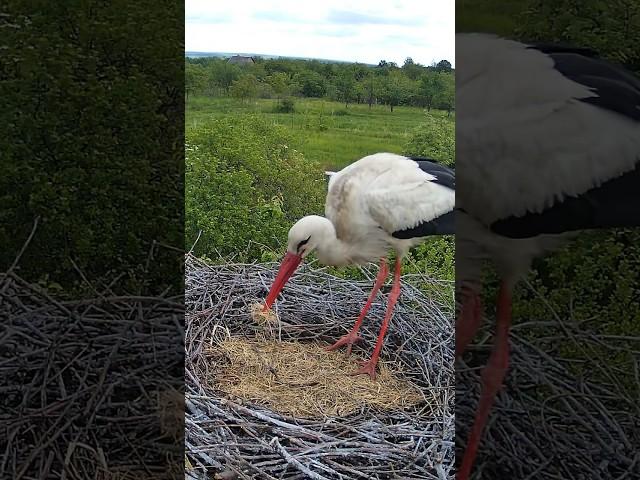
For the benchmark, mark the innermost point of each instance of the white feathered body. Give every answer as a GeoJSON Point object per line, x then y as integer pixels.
{"type": "Point", "coordinates": [377, 195]}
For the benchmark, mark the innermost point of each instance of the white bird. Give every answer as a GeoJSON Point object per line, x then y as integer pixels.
{"type": "Point", "coordinates": [381, 202]}
{"type": "Point", "coordinates": [548, 144]}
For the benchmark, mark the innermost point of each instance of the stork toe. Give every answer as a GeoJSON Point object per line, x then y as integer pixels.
{"type": "Point", "coordinates": [367, 367]}
{"type": "Point", "coordinates": [349, 339]}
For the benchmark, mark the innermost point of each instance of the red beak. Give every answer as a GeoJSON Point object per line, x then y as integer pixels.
{"type": "Point", "coordinates": [288, 266]}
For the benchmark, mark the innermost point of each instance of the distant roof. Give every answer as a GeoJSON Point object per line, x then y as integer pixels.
{"type": "Point", "coordinates": [240, 59]}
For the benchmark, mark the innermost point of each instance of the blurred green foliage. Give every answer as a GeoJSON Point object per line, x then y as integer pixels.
{"type": "Point", "coordinates": [594, 277]}
{"type": "Point", "coordinates": [610, 28]}
{"type": "Point", "coordinates": [91, 142]}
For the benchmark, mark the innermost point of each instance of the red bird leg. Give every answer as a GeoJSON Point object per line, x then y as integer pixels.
{"type": "Point", "coordinates": [468, 322]}
{"type": "Point", "coordinates": [352, 337]}
{"type": "Point", "coordinates": [369, 367]}
{"type": "Point", "coordinates": [492, 377]}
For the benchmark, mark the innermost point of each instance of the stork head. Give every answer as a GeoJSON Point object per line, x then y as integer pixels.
{"type": "Point", "coordinates": [304, 237]}
{"type": "Point", "coordinates": [306, 234]}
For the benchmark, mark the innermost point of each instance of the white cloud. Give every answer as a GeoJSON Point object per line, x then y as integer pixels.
{"type": "Point", "coordinates": [357, 30]}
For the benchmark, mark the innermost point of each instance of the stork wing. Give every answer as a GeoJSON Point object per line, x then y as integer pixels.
{"type": "Point", "coordinates": [407, 205]}
{"type": "Point", "coordinates": [537, 125]}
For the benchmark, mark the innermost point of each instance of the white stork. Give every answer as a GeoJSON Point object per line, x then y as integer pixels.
{"type": "Point", "coordinates": [381, 202]}
{"type": "Point", "coordinates": [548, 144]}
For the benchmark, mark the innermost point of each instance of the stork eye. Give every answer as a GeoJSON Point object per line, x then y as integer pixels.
{"type": "Point", "coordinates": [303, 243]}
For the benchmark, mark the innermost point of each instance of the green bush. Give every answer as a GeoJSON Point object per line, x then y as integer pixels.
{"type": "Point", "coordinates": [435, 138]}
{"type": "Point", "coordinates": [245, 187]}
{"type": "Point", "coordinates": [322, 127]}
{"type": "Point", "coordinates": [286, 105]}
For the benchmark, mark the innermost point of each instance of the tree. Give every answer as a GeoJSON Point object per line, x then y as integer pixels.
{"type": "Point", "coordinates": [411, 69]}
{"type": "Point", "coordinates": [195, 78]}
{"type": "Point", "coordinates": [395, 89]}
{"type": "Point", "coordinates": [257, 69]}
{"type": "Point", "coordinates": [345, 86]}
{"type": "Point", "coordinates": [312, 84]}
{"type": "Point", "coordinates": [223, 74]}
{"type": "Point", "coordinates": [369, 86]}
{"type": "Point", "coordinates": [245, 87]}
{"type": "Point", "coordinates": [280, 65]}
{"type": "Point", "coordinates": [443, 66]}
{"type": "Point", "coordinates": [430, 86]}
{"type": "Point", "coordinates": [360, 71]}
{"type": "Point", "coordinates": [280, 83]}
{"type": "Point", "coordinates": [385, 64]}
{"type": "Point", "coordinates": [347, 83]}
{"type": "Point", "coordinates": [447, 94]}
{"type": "Point", "coordinates": [359, 92]}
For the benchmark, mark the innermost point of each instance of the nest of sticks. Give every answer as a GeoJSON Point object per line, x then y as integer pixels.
{"type": "Point", "coordinates": [551, 421]}
{"type": "Point", "coordinates": [89, 388]}
{"type": "Point", "coordinates": [265, 400]}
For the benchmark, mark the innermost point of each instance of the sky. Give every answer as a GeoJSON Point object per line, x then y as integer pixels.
{"type": "Point", "coordinates": [365, 31]}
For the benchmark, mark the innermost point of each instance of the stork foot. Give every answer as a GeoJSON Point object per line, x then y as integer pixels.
{"type": "Point", "coordinates": [368, 367]}
{"type": "Point", "coordinates": [349, 339]}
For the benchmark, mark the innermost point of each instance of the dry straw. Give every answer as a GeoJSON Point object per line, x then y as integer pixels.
{"type": "Point", "coordinates": [265, 400]}
{"type": "Point", "coordinates": [304, 380]}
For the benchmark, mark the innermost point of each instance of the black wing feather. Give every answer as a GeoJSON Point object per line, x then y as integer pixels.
{"type": "Point", "coordinates": [616, 88]}
{"type": "Point", "coordinates": [444, 175]}
{"type": "Point", "coordinates": [616, 203]}
{"type": "Point", "coordinates": [442, 225]}
{"type": "Point", "coordinates": [558, 48]}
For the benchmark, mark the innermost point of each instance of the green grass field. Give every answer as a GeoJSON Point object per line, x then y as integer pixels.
{"type": "Point", "coordinates": [323, 130]}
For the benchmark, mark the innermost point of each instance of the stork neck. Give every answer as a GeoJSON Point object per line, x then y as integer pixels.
{"type": "Point", "coordinates": [331, 250]}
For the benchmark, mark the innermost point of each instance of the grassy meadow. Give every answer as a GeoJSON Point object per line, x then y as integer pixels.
{"type": "Point", "coordinates": [324, 131]}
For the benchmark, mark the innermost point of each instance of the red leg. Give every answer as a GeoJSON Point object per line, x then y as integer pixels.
{"type": "Point", "coordinates": [369, 367]}
{"type": "Point", "coordinates": [469, 320]}
{"type": "Point", "coordinates": [352, 337]}
{"type": "Point", "coordinates": [492, 377]}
